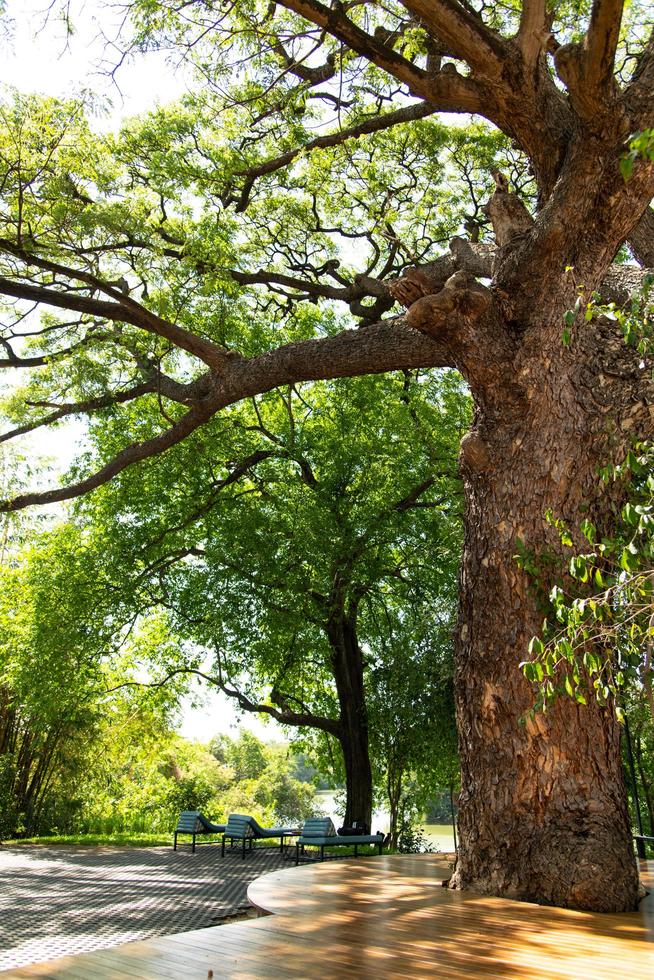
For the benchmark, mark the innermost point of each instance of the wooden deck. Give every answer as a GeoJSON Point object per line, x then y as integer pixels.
{"type": "Point", "coordinates": [384, 917]}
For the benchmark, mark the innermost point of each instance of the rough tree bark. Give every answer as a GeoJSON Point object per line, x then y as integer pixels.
{"type": "Point", "coordinates": [543, 806]}
{"type": "Point", "coordinates": [543, 810]}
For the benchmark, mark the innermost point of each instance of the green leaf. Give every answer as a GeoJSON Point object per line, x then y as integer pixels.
{"type": "Point", "coordinates": [626, 166]}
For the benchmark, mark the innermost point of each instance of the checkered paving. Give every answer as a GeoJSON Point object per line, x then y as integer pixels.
{"type": "Point", "coordinates": [56, 901]}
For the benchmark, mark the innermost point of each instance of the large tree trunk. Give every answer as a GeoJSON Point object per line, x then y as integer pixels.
{"type": "Point", "coordinates": [348, 675]}
{"type": "Point", "coordinates": [358, 775]}
{"type": "Point", "coordinates": [543, 806]}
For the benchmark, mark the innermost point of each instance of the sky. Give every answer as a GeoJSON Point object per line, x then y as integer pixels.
{"type": "Point", "coordinates": [38, 58]}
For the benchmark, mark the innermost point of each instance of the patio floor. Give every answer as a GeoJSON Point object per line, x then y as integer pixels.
{"type": "Point", "coordinates": [383, 917]}
{"type": "Point", "coordinates": [60, 900]}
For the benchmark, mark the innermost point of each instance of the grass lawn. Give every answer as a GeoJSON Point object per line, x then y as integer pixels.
{"type": "Point", "coordinates": [146, 840]}
{"type": "Point", "coordinates": [95, 840]}
{"type": "Point", "coordinates": [126, 840]}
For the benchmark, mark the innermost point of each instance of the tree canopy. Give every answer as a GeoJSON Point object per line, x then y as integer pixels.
{"type": "Point", "coordinates": [289, 570]}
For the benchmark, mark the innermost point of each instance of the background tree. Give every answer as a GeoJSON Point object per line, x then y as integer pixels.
{"type": "Point", "coordinates": [60, 650]}
{"type": "Point", "coordinates": [411, 709]}
{"type": "Point", "coordinates": [638, 749]}
{"type": "Point", "coordinates": [286, 576]}
{"type": "Point", "coordinates": [48, 677]}
{"type": "Point", "coordinates": [272, 791]}
{"type": "Point", "coordinates": [245, 756]}
{"type": "Point", "coordinates": [543, 810]}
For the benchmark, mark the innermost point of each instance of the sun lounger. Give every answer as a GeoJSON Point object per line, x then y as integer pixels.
{"type": "Point", "coordinates": [321, 833]}
{"type": "Point", "coordinates": [192, 822]}
{"type": "Point", "coordinates": [244, 828]}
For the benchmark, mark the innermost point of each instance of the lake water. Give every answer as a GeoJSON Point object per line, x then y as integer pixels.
{"type": "Point", "coordinates": [440, 836]}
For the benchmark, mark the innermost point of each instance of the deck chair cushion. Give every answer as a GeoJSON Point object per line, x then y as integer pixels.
{"type": "Point", "coordinates": [265, 832]}
{"type": "Point", "coordinates": [318, 827]}
{"type": "Point", "coordinates": [238, 825]}
{"type": "Point", "coordinates": [189, 822]}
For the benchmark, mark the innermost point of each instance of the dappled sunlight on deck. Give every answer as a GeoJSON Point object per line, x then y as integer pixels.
{"type": "Point", "coordinates": [385, 917]}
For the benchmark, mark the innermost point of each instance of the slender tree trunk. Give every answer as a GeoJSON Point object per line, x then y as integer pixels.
{"type": "Point", "coordinates": [543, 811]}
{"type": "Point", "coordinates": [394, 792]}
{"type": "Point", "coordinates": [348, 675]}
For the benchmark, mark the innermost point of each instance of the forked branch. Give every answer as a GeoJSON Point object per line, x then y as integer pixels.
{"type": "Point", "coordinates": [119, 308]}
{"type": "Point", "coordinates": [463, 32]}
{"type": "Point", "coordinates": [334, 20]}
{"type": "Point", "coordinates": [386, 346]}
{"type": "Point", "coordinates": [587, 69]}
{"type": "Point", "coordinates": [132, 454]}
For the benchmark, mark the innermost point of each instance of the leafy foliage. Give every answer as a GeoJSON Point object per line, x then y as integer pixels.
{"type": "Point", "coordinates": [640, 783]}
{"type": "Point", "coordinates": [641, 147]}
{"type": "Point", "coordinates": [325, 509]}
{"type": "Point", "coordinates": [411, 710]}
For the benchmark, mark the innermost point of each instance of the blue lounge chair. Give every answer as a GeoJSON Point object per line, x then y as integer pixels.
{"type": "Point", "coordinates": [192, 822]}
{"type": "Point", "coordinates": [244, 828]}
{"type": "Point", "coordinates": [320, 832]}
{"type": "Point", "coordinates": [267, 832]}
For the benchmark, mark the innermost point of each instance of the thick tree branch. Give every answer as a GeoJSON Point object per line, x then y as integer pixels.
{"type": "Point", "coordinates": [334, 20]}
{"type": "Point", "coordinates": [641, 240]}
{"type": "Point", "coordinates": [120, 312]}
{"type": "Point", "coordinates": [411, 499]}
{"type": "Point", "coordinates": [463, 32]}
{"type": "Point", "coordinates": [308, 720]}
{"type": "Point", "coordinates": [122, 309]}
{"type": "Point", "coordinates": [285, 716]}
{"type": "Point", "coordinates": [622, 282]}
{"type": "Point", "coordinates": [638, 95]}
{"type": "Point", "coordinates": [534, 30]}
{"type": "Point", "coordinates": [601, 42]}
{"type": "Point", "coordinates": [374, 125]}
{"type": "Point", "coordinates": [386, 346]}
{"type": "Point", "coordinates": [587, 69]}
{"type": "Point", "coordinates": [440, 330]}
{"type": "Point", "coordinates": [446, 90]}
{"type": "Point", "coordinates": [39, 360]}
{"type": "Point", "coordinates": [314, 76]}
{"type": "Point", "coordinates": [132, 454]}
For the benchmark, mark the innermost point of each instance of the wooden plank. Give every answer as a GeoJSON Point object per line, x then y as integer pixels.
{"type": "Point", "coordinates": [385, 919]}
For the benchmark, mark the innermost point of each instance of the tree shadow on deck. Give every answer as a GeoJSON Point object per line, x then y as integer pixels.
{"type": "Point", "coordinates": [59, 900]}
